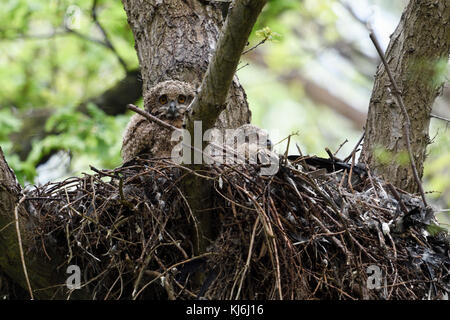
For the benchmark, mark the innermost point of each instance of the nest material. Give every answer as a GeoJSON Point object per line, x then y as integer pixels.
{"type": "Point", "coordinates": [295, 235]}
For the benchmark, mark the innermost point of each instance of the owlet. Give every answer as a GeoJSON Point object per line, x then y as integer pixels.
{"type": "Point", "coordinates": [169, 101]}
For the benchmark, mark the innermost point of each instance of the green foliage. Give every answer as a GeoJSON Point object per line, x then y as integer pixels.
{"type": "Point", "coordinates": [441, 70]}
{"type": "Point", "coordinates": [8, 124]}
{"type": "Point", "coordinates": [386, 157]}
{"type": "Point", "coordinates": [267, 34]}
{"type": "Point", "coordinates": [437, 168]}
{"type": "Point", "coordinates": [382, 155]}
{"type": "Point", "coordinates": [94, 138]}
{"type": "Point", "coordinates": [434, 230]}
{"type": "Point", "coordinates": [38, 69]}
{"type": "Point", "coordinates": [435, 72]}
{"type": "Point", "coordinates": [44, 66]}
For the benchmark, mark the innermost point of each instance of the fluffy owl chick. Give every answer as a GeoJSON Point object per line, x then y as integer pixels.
{"type": "Point", "coordinates": [246, 144]}
{"type": "Point", "coordinates": [249, 142]}
{"type": "Point", "coordinates": [169, 101]}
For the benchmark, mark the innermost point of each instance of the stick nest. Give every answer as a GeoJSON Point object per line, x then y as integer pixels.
{"type": "Point", "coordinates": [296, 235]}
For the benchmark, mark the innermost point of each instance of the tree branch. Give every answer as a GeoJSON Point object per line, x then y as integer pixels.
{"type": "Point", "coordinates": [399, 101]}
{"type": "Point", "coordinates": [105, 36]}
{"type": "Point", "coordinates": [417, 53]}
{"type": "Point", "coordinates": [211, 99]}
{"type": "Point", "coordinates": [207, 106]}
{"type": "Point", "coordinates": [152, 118]}
{"type": "Point", "coordinates": [439, 117]}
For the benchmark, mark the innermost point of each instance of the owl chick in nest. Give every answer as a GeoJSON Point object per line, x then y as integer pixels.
{"type": "Point", "coordinates": [168, 101]}
{"type": "Point", "coordinates": [245, 144]}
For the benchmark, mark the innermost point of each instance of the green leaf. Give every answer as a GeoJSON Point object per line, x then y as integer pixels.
{"type": "Point", "coordinates": [434, 230]}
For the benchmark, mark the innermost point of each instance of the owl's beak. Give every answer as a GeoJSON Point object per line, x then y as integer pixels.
{"type": "Point", "coordinates": [172, 108]}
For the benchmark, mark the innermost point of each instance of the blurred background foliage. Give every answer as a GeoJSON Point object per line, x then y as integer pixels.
{"type": "Point", "coordinates": [311, 73]}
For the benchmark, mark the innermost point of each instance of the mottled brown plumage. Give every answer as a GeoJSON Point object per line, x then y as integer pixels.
{"type": "Point", "coordinates": [169, 101]}
{"type": "Point", "coordinates": [246, 144]}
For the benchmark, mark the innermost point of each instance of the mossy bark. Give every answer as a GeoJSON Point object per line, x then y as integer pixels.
{"type": "Point", "coordinates": [417, 56]}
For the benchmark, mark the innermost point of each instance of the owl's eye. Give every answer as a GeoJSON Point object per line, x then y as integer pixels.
{"type": "Point", "coordinates": [163, 99]}
{"type": "Point", "coordinates": [181, 99]}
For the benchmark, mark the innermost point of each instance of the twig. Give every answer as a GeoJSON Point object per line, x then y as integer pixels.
{"type": "Point", "coordinates": [102, 172]}
{"type": "Point", "coordinates": [82, 36]}
{"type": "Point", "coordinates": [287, 146]}
{"type": "Point", "coordinates": [340, 147]}
{"type": "Point", "coordinates": [245, 65]}
{"type": "Point", "coordinates": [247, 263]}
{"type": "Point", "coordinates": [19, 238]}
{"type": "Point", "coordinates": [373, 185]}
{"type": "Point", "coordinates": [68, 244]}
{"type": "Point", "coordinates": [439, 117]}
{"type": "Point", "coordinates": [255, 46]}
{"type": "Point", "coordinates": [152, 118]}
{"type": "Point", "coordinates": [335, 240]}
{"type": "Point", "coordinates": [397, 197]}
{"type": "Point", "coordinates": [399, 101]}
{"type": "Point", "coordinates": [105, 36]}
{"type": "Point", "coordinates": [43, 36]}
{"type": "Point", "coordinates": [355, 149]}
{"type": "Point", "coordinates": [168, 269]}
{"type": "Point", "coordinates": [351, 173]}
{"type": "Point", "coordinates": [212, 97]}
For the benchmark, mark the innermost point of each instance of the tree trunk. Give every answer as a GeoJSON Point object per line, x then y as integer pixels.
{"type": "Point", "coordinates": [47, 277]}
{"type": "Point", "coordinates": [417, 56]}
{"type": "Point", "coordinates": [175, 40]}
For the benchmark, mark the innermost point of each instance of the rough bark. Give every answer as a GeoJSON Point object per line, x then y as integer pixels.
{"type": "Point", "coordinates": [418, 46]}
{"type": "Point", "coordinates": [42, 272]}
{"type": "Point", "coordinates": [175, 40]}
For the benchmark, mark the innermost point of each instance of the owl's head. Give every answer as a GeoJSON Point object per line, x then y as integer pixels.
{"type": "Point", "coordinates": [169, 99]}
